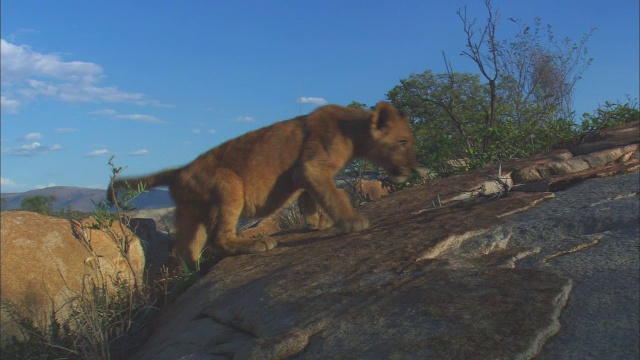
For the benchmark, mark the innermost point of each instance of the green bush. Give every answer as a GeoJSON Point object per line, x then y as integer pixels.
{"type": "Point", "coordinates": [39, 204]}
{"type": "Point", "coordinates": [610, 114]}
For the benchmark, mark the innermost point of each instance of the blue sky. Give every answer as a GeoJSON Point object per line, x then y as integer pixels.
{"type": "Point", "coordinates": [156, 83]}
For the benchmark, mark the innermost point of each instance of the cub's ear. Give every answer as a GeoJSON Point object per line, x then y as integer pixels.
{"type": "Point", "coordinates": [383, 114]}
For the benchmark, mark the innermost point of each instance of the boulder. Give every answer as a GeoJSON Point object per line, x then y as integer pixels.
{"type": "Point", "coordinates": [164, 218]}
{"type": "Point", "coordinates": [462, 267]}
{"type": "Point", "coordinates": [46, 261]}
{"type": "Point", "coordinates": [155, 246]}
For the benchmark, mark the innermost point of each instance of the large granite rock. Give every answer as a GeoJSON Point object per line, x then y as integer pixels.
{"type": "Point", "coordinates": [46, 261]}
{"type": "Point", "coordinates": [460, 268]}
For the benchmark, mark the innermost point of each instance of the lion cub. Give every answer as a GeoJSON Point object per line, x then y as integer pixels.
{"type": "Point", "coordinates": [259, 172]}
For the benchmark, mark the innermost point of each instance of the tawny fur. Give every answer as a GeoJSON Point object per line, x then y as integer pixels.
{"type": "Point", "coordinates": [259, 172]}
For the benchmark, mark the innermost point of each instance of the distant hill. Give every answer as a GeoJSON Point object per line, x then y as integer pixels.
{"type": "Point", "coordinates": [82, 198]}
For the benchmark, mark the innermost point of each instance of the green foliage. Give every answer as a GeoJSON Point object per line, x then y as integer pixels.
{"type": "Point", "coordinates": [519, 103]}
{"type": "Point", "coordinates": [103, 216]}
{"type": "Point", "coordinates": [39, 204]}
{"type": "Point", "coordinates": [447, 112]}
{"type": "Point", "coordinates": [357, 105]}
{"type": "Point", "coordinates": [610, 114]}
{"type": "Point", "coordinates": [44, 205]}
{"type": "Point", "coordinates": [68, 213]}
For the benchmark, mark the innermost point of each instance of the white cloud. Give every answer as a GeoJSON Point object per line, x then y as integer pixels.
{"type": "Point", "coordinates": [45, 186]}
{"type": "Point", "coordinates": [140, 117]}
{"type": "Point", "coordinates": [5, 181]}
{"type": "Point", "coordinates": [136, 117]}
{"type": "Point", "coordinates": [95, 186]}
{"type": "Point", "coordinates": [103, 112]}
{"type": "Point", "coordinates": [9, 106]}
{"type": "Point", "coordinates": [20, 63]}
{"type": "Point", "coordinates": [312, 100]}
{"type": "Point", "coordinates": [41, 88]}
{"type": "Point", "coordinates": [100, 152]}
{"type": "Point", "coordinates": [31, 74]}
{"type": "Point", "coordinates": [32, 149]}
{"type": "Point", "coordinates": [9, 185]}
{"type": "Point", "coordinates": [244, 119]}
{"type": "Point", "coordinates": [66, 130]}
{"type": "Point", "coordinates": [34, 145]}
{"type": "Point", "coordinates": [140, 152]}
{"type": "Point", "coordinates": [200, 131]}
{"type": "Point", "coordinates": [33, 136]}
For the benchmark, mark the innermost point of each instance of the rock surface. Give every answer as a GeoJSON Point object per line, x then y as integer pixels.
{"type": "Point", "coordinates": [46, 259]}
{"type": "Point", "coordinates": [458, 268]}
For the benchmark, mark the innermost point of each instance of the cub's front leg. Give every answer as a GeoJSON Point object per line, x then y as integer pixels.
{"type": "Point", "coordinates": [310, 211]}
{"type": "Point", "coordinates": [333, 201]}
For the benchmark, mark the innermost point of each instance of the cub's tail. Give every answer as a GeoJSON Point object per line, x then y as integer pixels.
{"type": "Point", "coordinates": [164, 178]}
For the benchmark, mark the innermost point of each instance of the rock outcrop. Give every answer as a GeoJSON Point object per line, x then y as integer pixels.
{"type": "Point", "coordinates": [535, 257]}
{"type": "Point", "coordinates": [46, 260]}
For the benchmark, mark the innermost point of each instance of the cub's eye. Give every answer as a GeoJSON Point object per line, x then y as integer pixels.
{"type": "Point", "coordinates": [403, 142]}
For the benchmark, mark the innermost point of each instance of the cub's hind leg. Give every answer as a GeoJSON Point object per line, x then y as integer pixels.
{"type": "Point", "coordinates": [191, 238]}
{"type": "Point", "coordinates": [230, 202]}
{"type": "Point", "coordinates": [313, 217]}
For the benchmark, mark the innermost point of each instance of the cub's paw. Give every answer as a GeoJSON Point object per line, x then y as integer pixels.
{"type": "Point", "coordinates": [356, 223]}
{"type": "Point", "coordinates": [318, 222]}
{"type": "Point", "coordinates": [324, 223]}
{"type": "Point", "coordinates": [263, 243]}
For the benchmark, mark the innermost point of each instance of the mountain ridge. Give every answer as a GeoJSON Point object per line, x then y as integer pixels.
{"type": "Point", "coordinates": [84, 199]}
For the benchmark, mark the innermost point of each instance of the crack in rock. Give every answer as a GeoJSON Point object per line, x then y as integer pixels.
{"type": "Point", "coordinates": [528, 207]}
{"type": "Point", "coordinates": [615, 198]}
{"type": "Point", "coordinates": [449, 243]}
{"type": "Point", "coordinates": [290, 344]}
{"type": "Point", "coordinates": [559, 303]}
{"type": "Point", "coordinates": [575, 249]}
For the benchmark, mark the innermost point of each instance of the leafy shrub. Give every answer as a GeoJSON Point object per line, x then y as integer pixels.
{"type": "Point", "coordinates": [610, 114]}
{"type": "Point", "coordinates": [39, 204]}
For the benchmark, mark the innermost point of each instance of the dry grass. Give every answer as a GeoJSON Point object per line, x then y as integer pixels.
{"type": "Point", "coordinates": [290, 218]}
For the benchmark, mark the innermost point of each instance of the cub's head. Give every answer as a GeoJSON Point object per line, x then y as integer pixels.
{"type": "Point", "coordinates": [392, 143]}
